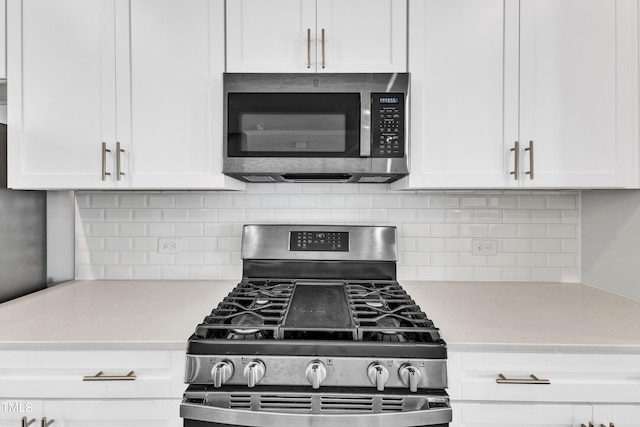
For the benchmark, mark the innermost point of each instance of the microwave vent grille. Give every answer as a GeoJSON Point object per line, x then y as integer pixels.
{"type": "Point", "coordinates": [259, 178]}
{"type": "Point", "coordinates": [374, 179]}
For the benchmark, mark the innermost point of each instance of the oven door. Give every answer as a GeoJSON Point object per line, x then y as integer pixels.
{"type": "Point", "coordinates": [307, 409]}
{"type": "Point", "coordinates": [281, 125]}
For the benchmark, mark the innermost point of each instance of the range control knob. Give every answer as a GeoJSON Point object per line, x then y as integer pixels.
{"type": "Point", "coordinates": [221, 373]}
{"type": "Point", "coordinates": [378, 375]}
{"type": "Point", "coordinates": [316, 373]}
{"type": "Point", "coordinates": [254, 372]}
{"type": "Point", "coordinates": [410, 376]}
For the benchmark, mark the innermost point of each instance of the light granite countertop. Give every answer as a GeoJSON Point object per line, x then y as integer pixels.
{"type": "Point", "coordinates": [472, 316]}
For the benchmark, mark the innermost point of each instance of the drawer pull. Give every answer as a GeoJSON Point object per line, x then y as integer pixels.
{"type": "Point", "coordinates": [533, 380]}
{"type": "Point", "coordinates": [27, 423]}
{"type": "Point", "coordinates": [47, 423]}
{"type": "Point", "coordinates": [131, 376]}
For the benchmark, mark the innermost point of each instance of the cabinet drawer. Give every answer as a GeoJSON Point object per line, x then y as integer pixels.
{"type": "Point", "coordinates": [572, 377]}
{"type": "Point", "coordinates": [72, 374]}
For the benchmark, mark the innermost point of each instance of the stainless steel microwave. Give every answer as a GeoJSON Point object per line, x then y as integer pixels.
{"type": "Point", "coordinates": [316, 127]}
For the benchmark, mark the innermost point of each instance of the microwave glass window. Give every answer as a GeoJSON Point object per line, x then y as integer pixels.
{"type": "Point", "coordinates": [293, 125]}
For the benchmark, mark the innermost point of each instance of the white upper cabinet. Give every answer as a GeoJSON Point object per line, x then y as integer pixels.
{"type": "Point", "coordinates": [173, 116]}
{"type": "Point", "coordinates": [456, 57]}
{"type": "Point", "coordinates": [488, 79]}
{"type": "Point", "coordinates": [298, 36]}
{"type": "Point", "coordinates": [579, 92]}
{"type": "Point", "coordinates": [62, 92]}
{"type": "Point", "coordinates": [116, 94]}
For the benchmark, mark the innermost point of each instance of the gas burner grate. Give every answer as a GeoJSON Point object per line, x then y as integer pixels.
{"type": "Point", "coordinates": [259, 309]}
{"type": "Point", "coordinates": [252, 310]}
{"type": "Point", "coordinates": [383, 311]}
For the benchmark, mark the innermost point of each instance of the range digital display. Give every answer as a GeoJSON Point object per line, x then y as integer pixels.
{"type": "Point", "coordinates": [326, 241]}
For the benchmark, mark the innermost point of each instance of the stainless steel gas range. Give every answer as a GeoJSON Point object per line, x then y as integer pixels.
{"type": "Point", "coordinates": [318, 333]}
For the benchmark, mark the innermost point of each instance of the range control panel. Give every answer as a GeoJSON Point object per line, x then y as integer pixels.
{"type": "Point", "coordinates": [336, 241]}
{"type": "Point", "coordinates": [387, 125]}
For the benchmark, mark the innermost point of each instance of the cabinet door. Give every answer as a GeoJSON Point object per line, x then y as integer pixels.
{"type": "Point", "coordinates": [62, 92]}
{"type": "Point", "coordinates": [362, 36]}
{"type": "Point", "coordinates": [524, 415]}
{"type": "Point", "coordinates": [172, 132]}
{"type": "Point", "coordinates": [271, 36]}
{"type": "Point", "coordinates": [112, 413]}
{"type": "Point", "coordinates": [456, 50]}
{"type": "Point", "coordinates": [617, 415]}
{"type": "Point", "coordinates": [579, 92]}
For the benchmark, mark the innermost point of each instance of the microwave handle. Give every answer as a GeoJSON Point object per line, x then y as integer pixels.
{"type": "Point", "coordinates": [365, 124]}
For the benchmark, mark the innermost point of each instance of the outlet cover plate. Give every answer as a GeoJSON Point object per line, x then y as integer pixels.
{"type": "Point", "coordinates": [485, 247]}
{"type": "Point", "coordinates": [169, 246]}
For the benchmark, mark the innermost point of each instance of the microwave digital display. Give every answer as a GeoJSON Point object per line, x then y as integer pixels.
{"type": "Point", "coordinates": [389, 100]}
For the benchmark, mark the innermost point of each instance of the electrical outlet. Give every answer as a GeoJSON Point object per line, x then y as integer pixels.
{"type": "Point", "coordinates": [169, 246]}
{"type": "Point", "coordinates": [485, 247]}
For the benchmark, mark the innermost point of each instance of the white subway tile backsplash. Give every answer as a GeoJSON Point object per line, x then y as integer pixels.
{"type": "Point", "coordinates": [103, 200]}
{"type": "Point", "coordinates": [133, 201]}
{"type": "Point", "coordinates": [175, 215]}
{"type": "Point", "coordinates": [147, 215]}
{"type": "Point", "coordinates": [444, 201]}
{"type": "Point", "coordinates": [203, 215]}
{"type": "Point", "coordinates": [161, 201]}
{"type": "Point", "coordinates": [190, 200]}
{"type": "Point", "coordinates": [473, 201]}
{"type": "Point", "coordinates": [536, 233]}
{"type": "Point", "coordinates": [118, 243]}
{"type": "Point", "coordinates": [458, 216]}
{"type": "Point", "coordinates": [531, 202]}
{"type": "Point", "coordinates": [104, 229]}
{"type": "Point", "coordinates": [134, 229]}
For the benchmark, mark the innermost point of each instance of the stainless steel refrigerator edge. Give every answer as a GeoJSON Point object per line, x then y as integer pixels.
{"type": "Point", "coordinates": [23, 231]}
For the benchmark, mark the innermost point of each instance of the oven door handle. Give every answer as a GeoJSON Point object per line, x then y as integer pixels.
{"type": "Point", "coordinates": [240, 417]}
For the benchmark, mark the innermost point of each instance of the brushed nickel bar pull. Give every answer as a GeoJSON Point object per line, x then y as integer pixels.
{"type": "Point", "coordinates": [104, 161]}
{"type": "Point", "coordinates": [46, 423]}
{"type": "Point", "coordinates": [323, 48]}
{"type": "Point", "coordinates": [308, 47]}
{"type": "Point", "coordinates": [533, 380]}
{"type": "Point", "coordinates": [26, 423]}
{"type": "Point", "coordinates": [131, 376]}
{"type": "Point", "coordinates": [516, 162]}
{"type": "Point", "coordinates": [530, 150]}
{"type": "Point", "coordinates": [119, 172]}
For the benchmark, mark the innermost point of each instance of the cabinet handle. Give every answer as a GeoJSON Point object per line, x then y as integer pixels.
{"type": "Point", "coordinates": [590, 424]}
{"type": "Point", "coordinates": [26, 423]}
{"type": "Point", "coordinates": [308, 47]}
{"type": "Point", "coordinates": [516, 162]}
{"type": "Point", "coordinates": [119, 172]}
{"type": "Point", "coordinates": [131, 376]}
{"type": "Point", "coordinates": [530, 150]}
{"type": "Point", "coordinates": [46, 423]}
{"type": "Point", "coordinates": [323, 48]}
{"type": "Point", "coordinates": [104, 161]}
{"type": "Point", "coordinates": [533, 380]}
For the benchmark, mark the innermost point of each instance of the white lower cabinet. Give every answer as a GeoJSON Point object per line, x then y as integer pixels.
{"type": "Point", "coordinates": [91, 388]}
{"type": "Point", "coordinates": [544, 389]}
{"type": "Point", "coordinates": [523, 414]}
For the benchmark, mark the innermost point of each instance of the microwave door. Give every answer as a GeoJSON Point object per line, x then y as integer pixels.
{"type": "Point", "coordinates": [305, 125]}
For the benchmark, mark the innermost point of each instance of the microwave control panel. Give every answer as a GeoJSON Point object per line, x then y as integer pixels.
{"type": "Point", "coordinates": [387, 124]}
